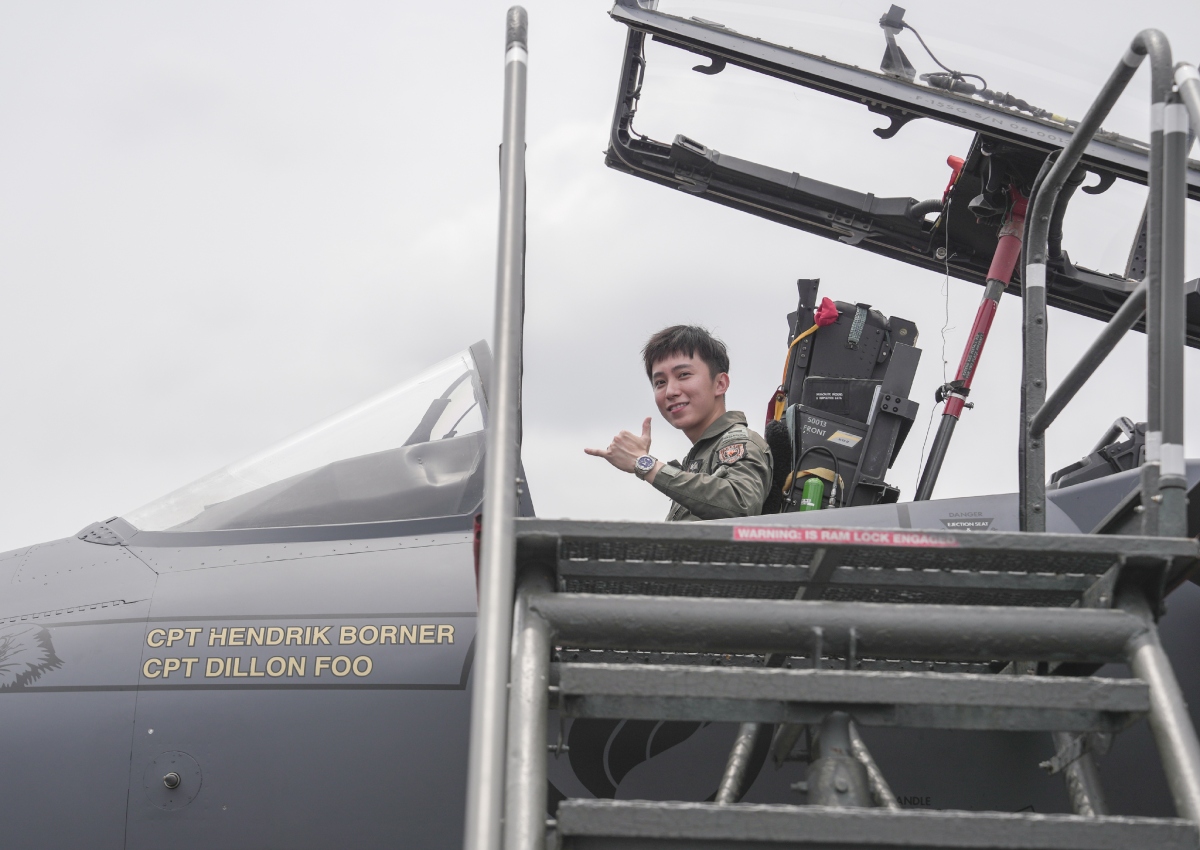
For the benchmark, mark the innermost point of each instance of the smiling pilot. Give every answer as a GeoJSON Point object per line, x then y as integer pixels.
{"type": "Point", "coordinates": [728, 471]}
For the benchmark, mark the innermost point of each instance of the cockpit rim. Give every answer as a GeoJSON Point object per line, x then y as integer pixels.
{"type": "Point", "coordinates": [131, 535]}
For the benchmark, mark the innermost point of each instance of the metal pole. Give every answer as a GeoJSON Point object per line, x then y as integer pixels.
{"type": "Point", "coordinates": [881, 792]}
{"type": "Point", "coordinates": [1083, 780]}
{"type": "Point", "coordinates": [1004, 260]}
{"type": "Point", "coordinates": [1169, 719]}
{"type": "Point", "coordinates": [1187, 80]}
{"type": "Point", "coordinates": [730, 789]}
{"type": "Point", "coordinates": [937, 455]}
{"type": "Point", "coordinates": [1033, 390]}
{"type": "Point", "coordinates": [1154, 305]}
{"type": "Point", "coordinates": [1172, 518]}
{"type": "Point", "coordinates": [1126, 317]}
{"type": "Point", "coordinates": [489, 697]}
{"type": "Point", "coordinates": [528, 703]}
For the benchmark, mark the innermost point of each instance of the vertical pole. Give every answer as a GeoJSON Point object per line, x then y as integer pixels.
{"type": "Point", "coordinates": [1172, 517]}
{"type": "Point", "coordinates": [1154, 307]}
{"type": "Point", "coordinates": [1033, 384]}
{"type": "Point", "coordinates": [1187, 79]}
{"type": "Point", "coordinates": [528, 704]}
{"type": "Point", "coordinates": [489, 696]}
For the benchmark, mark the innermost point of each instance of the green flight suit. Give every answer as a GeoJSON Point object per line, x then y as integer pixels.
{"type": "Point", "coordinates": [726, 474]}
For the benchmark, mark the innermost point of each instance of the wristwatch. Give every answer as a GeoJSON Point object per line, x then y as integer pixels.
{"type": "Point", "coordinates": [643, 465]}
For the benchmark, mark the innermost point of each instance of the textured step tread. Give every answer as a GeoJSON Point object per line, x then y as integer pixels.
{"type": "Point", "coordinates": [598, 824]}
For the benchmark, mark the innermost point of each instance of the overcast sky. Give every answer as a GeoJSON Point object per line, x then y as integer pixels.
{"type": "Point", "coordinates": [223, 221]}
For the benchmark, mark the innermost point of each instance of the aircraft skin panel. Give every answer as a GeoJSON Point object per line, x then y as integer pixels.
{"type": "Point", "coordinates": [170, 559]}
{"type": "Point", "coordinates": [72, 621]}
{"type": "Point", "coordinates": [313, 769]}
{"type": "Point", "coordinates": [335, 715]}
{"type": "Point", "coordinates": [66, 760]}
{"type": "Point", "coordinates": [69, 573]}
{"type": "Point", "coordinates": [68, 688]}
{"type": "Point", "coordinates": [327, 705]}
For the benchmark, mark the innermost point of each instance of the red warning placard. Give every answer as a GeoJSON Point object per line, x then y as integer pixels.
{"type": "Point", "coordinates": [842, 536]}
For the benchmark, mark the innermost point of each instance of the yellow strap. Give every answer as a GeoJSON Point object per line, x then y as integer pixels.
{"type": "Point", "coordinates": [788, 355]}
{"type": "Point", "coordinates": [819, 471]}
{"type": "Point", "coordinates": [781, 393]}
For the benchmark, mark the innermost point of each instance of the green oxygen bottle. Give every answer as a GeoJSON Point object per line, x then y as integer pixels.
{"type": "Point", "coordinates": [812, 495]}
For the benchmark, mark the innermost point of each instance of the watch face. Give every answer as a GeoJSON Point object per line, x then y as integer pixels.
{"type": "Point", "coordinates": [645, 463]}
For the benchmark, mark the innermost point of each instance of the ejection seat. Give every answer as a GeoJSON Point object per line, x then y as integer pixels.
{"type": "Point", "coordinates": [843, 409]}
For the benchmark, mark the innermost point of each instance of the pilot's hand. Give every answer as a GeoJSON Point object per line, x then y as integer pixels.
{"type": "Point", "coordinates": [625, 448]}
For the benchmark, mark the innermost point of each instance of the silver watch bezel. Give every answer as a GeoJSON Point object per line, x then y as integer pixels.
{"type": "Point", "coordinates": [637, 466]}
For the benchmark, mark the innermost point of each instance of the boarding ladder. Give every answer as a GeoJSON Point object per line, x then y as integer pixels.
{"type": "Point", "coordinates": [825, 614]}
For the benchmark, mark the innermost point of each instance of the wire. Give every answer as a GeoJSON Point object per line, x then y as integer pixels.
{"type": "Point", "coordinates": [946, 292]}
{"type": "Point", "coordinates": [958, 75]}
{"type": "Point", "coordinates": [945, 327]}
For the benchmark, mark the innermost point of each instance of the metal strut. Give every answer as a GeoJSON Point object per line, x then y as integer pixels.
{"type": "Point", "coordinates": [489, 697]}
{"type": "Point", "coordinates": [1004, 260]}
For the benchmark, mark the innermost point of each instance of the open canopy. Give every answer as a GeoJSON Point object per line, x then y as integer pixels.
{"type": "Point", "coordinates": [1007, 139]}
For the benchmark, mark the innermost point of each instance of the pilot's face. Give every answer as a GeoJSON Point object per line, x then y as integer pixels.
{"type": "Point", "coordinates": [687, 394]}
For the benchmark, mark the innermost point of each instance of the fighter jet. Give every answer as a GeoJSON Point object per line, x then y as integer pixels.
{"type": "Point", "coordinates": [280, 653]}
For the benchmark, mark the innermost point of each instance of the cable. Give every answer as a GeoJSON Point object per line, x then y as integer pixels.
{"type": "Point", "coordinates": [945, 327]}
{"type": "Point", "coordinates": [946, 291]}
{"type": "Point", "coordinates": [958, 75]}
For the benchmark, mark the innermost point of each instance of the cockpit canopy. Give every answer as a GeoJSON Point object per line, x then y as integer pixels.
{"type": "Point", "coordinates": [413, 451]}
{"type": "Point", "coordinates": [798, 135]}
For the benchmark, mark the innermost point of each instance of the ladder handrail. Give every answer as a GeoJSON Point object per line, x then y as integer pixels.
{"type": "Point", "coordinates": [1164, 300]}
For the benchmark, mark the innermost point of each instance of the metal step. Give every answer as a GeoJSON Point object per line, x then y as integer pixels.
{"type": "Point", "coordinates": [838, 629]}
{"type": "Point", "coordinates": [916, 700]}
{"type": "Point", "coordinates": [849, 564]}
{"type": "Point", "coordinates": [602, 824]}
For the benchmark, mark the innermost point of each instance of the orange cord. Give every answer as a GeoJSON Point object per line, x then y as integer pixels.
{"type": "Point", "coordinates": [781, 393]}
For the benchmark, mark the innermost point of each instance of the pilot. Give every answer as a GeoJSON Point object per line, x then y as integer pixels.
{"type": "Point", "coordinates": [728, 471]}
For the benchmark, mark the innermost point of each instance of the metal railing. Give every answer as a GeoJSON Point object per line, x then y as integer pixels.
{"type": "Point", "coordinates": [505, 803]}
{"type": "Point", "coordinates": [489, 695]}
{"type": "Point", "coordinates": [1161, 296]}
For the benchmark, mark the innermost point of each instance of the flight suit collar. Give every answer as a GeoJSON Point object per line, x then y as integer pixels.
{"type": "Point", "coordinates": [723, 423]}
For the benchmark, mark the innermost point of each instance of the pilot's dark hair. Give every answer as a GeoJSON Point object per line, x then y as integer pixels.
{"type": "Point", "coordinates": [690, 340]}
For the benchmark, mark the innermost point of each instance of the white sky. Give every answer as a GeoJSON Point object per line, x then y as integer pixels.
{"type": "Point", "coordinates": [221, 222]}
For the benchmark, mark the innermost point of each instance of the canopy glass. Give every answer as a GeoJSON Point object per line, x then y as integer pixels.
{"type": "Point", "coordinates": [413, 451]}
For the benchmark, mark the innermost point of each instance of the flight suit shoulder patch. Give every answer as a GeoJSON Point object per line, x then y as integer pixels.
{"type": "Point", "coordinates": [731, 453]}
